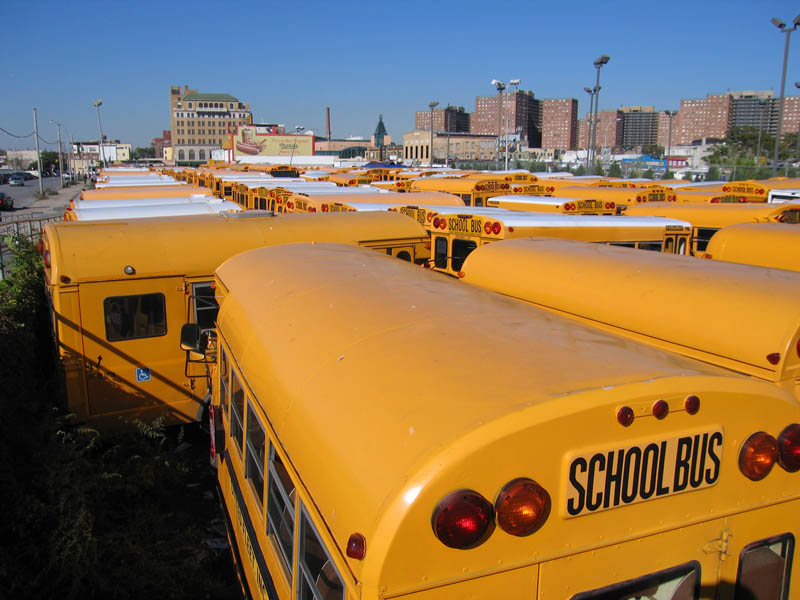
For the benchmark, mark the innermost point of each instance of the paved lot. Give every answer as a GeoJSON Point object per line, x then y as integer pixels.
{"type": "Point", "coordinates": [28, 206]}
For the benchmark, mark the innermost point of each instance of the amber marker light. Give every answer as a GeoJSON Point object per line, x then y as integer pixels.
{"type": "Point", "coordinates": [357, 546]}
{"type": "Point", "coordinates": [758, 455]}
{"type": "Point", "coordinates": [522, 507]}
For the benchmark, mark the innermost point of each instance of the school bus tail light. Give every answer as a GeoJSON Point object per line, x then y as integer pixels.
{"type": "Point", "coordinates": [357, 546]}
{"type": "Point", "coordinates": [463, 519]}
{"type": "Point", "coordinates": [46, 257]}
{"type": "Point", "coordinates": [290, 205]}
{"type": "Point", "coordinates": [487, 227]}
{"type": "Point", "coordinates": [758, 455]}
{"type": "Point", "coordinates": [312, 209]}
{"type": "Point", "coordinates": [496, 228]}
{"type": "Point", "coordinates": [789, 448]}
{"type": "Point", "coordinates": [522, 507]}
{"type": "Point", "coordinates": [325, 208]}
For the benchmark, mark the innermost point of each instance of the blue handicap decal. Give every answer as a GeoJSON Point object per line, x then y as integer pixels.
{"type": "Point", "coordinates": [143, 374]}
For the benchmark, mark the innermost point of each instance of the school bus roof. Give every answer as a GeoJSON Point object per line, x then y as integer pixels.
{"type": "Point", "coordinates": [724, 313]}
{"type": "Point", "coordinates": [522, 222]}
{"type": "Point", "coordinates": [711, 215]}
{"type": "Point", "coordinates": [196, 245]}
{"type": "Point", "coordinates": [139, 192]}
{"type": "Point", "coordinates": [119, 202]}
{"type": "Point", "coordinates": [453, 185]}
{"type": "Point", "coordinates": [775, 245]}
{"type": "Point", "coordinates": [399, 440]}
{"type": "Point", "coordinates": [149, 211]}
{"type": "Point", "coordinates": [390, 198]}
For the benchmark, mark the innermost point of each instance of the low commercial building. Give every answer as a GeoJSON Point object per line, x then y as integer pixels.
{"type": "Point", "coordinates": [456, 146]}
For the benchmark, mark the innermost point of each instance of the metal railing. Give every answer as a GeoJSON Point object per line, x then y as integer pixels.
{"type": "Point", "coordinates": [28, 228]}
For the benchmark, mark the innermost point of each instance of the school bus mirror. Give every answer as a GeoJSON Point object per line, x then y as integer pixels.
{"type": "Point", "coordinates": [192, 340]}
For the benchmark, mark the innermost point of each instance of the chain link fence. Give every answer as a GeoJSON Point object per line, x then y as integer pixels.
{"type": "Point", "coordinates": [29, 228]}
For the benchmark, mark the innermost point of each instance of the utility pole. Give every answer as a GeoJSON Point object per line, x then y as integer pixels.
{"type": "Point", "coordinates": [38, 154]}
{"type": "Point", "coordinates": [60, 162]}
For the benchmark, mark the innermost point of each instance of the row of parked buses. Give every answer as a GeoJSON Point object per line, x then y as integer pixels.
{"type": "Point", "coordinates": [630, 426]}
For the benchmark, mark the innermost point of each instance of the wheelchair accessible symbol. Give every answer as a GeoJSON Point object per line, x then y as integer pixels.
{"type": "Point", "coordinates": [143, 374]}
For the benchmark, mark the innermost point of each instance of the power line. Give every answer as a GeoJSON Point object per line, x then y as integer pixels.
{"type": "Point", "coordinates": [19, 137]}
{"type": "Point", "coordinates": [46, 142]}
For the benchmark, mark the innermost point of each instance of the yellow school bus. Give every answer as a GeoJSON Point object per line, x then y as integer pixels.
{"type": "Point", "coordinates": [536, 458]}
{"type": "Point", "coordinates": [621, 197]}
{"type": "Point", "coordinates": [350, 179]}
{"type": "Point", "coordinates": [550, 204]}
{"type": "Point", "coordinates": [319, 202]}
{"type": "Point", "coordinates": [396, 185]}
{"type": "Point", "coordinates": [473, 192]}
{"type": "Point", "coordinates": [707, 219]}
{"type": "Point", "coordinates": [454, 236]}
{"type": "Point", "coordinates": [156, 191]}
{"type": "Point", "coordinates": [538, 188]}
{"type": "Point", "coordinates": [636, 183]}
{"type": "Point", "coordinates": [753, 191]}
{"type": "Point", "coordinates": [120, 291]}
{"type": "Point", "coordinates": [742, 318]}
{"type": "Point", "coordinates": [773, 245]}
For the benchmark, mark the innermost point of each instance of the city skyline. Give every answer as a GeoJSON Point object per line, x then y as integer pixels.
{"type": "Point", "coordinates": [717, 47]}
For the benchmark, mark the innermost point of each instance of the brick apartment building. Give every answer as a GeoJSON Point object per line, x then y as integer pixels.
{"type": "Point", "coordinates": [559, 123]}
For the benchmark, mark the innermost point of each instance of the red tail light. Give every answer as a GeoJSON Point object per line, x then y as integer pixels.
{"type": "Point", "coordinates": [505, 186]}
{"type": "Point", "coordinates": [312, 209]}
{"type": "Point", "coordinates": [46, 258]}
{"type": "Point", "coordinates": [462, 519]}
{"type": "Point", "coordinates": [510, 229]}
{"type": "Point", "coordinates": [290, 205]}
{"type": "Point", "coordinates": [774, 358]}
{"type": "Point", "coordinates": [638, 198]}
{"type": "Point", "coordinates": [357, 546]}
{"type": "Point", "coordinates": [715, 201]}
{"type": "Point", "coordinates": [625, 416]}
{"type": "Point", "coordinates": [324, 208]}
{"type": "Point", "coordinates": [487, 228]}
{"type": "Point", "coordinates": [725, 188]}
{"type": "Point", "coordinates": [660, 409]}
{"type": "Point", "coordinates": [522, 507]}
{"type": "Point", "coordinates": [435, 222]}
{"type": "Point", "coordinates": [692, 405]}
{"type": "Point", "coordinates": [789, 448]}
{"type": "Point", "coordinates": [496, 227]}
{"type": "Point", "coordinates": [758, 455]}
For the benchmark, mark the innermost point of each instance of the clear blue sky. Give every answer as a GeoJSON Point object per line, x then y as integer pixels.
{"type": "Point", "coordinates": [290, 60]}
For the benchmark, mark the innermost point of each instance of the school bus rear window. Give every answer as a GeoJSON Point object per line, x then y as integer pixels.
{"type": "Point", "coordinates": [677, 583]}
{"type": "Point", "coordinates": [319, 579]}
{"type": "Point", "coordinates": [134, 317]}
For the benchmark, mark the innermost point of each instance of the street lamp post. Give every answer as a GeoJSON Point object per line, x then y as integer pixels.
{"type": "Point", "coordinates": [516, 83]}
{"type": "Point", "coordinates": [447, 132]}
{"type": "Point", "coordinates": [761, 104]}
{"type": "Point", "coordinates": [432, 104]}
{"type": "Point", "coordinates": [500, 87]}
{"type": "Point", "coordinates": [297, 130]}
{"type": "Point", "coordinates": [797, 150]}
{"type": "Point", "coordinates": [670, 114]}
{"type": "Point", "coordinates": [100, 154]}
{"type": "Point", "coordinates": [588, 138]}
{"type": "Point", "coordinates": [788, 31]}
{"type": "Point", "coordinates": [60, 163]}
{"type": "Point", "coordinates": [598, 64]}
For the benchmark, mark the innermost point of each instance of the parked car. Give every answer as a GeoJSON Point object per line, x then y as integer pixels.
{"type": "Point", "coordinates": [6, 201]}
{"type": "Point", "coordinates": [16, 179]}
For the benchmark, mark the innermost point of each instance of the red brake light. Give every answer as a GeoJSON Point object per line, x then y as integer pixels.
{"type": "Point", "coordinates": [625, 416]}
{"type": "Point", "coordinates": [522, 507]}
{"type": "Point", "coordinates": [462, 519]}
{"type": "Point", "coordinates": [357, 546]}
{"type": "Point", "coordinates": [660, 409]}
{"type": "Point", "coordinates": [435, 222]}
{"type": "Point", "coordinates": [487, 228]}
{"type": "Point", "coordinates": [496, 227]}
{"type": "Point", "coordinates": [789, 448]}
{"type": "Point", "coordinates": [290, 205]}
{"type": "Point", "coordinates": [692, 405]}
{"type": "Point", "coordinates": [774, 358]}
{"type": "Point", "coordinates": [758, 455]}
{"type": "Point", "coordinates": [725, 188]}
{"type": "Point", "coordinates": [312, 209]}
{"type": "Point", "coordinates": [510, 229]}
{"type": "Point", "coordinates": [442, 223]}
{"type": "Point", "coordinates": [797, 347]}
{"type": "Point", "coordinates": [324, 208]}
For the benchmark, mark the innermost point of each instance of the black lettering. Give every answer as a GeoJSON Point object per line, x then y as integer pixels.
{"type": "Point", "coordinates": [712, 473]}
{"type": "Point", "coordinates": [574, 507]}
{"type": "Point", "coordinates": [682, 464]}
{"type": "Point", "coordinates": [661, 489]}
{"type": "Point", "coordinates": [593, 501]}
{"type": "Point", "coordinates": [614, 477]}
{"type": "Point", "coordinates": [631, 482]}
{"type": "Point", "coordinates": [647, 482]}
{"type": "Point", "coordinates": [698, 460]}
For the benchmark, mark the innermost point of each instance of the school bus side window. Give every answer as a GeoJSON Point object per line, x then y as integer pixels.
{"type": "Point", "coordinates": [255, 453]}
{"type": "Point", "coordinates": [461, 250]}
{"type": "Point", "coordinates": [281, 497]}
{"type": "Point", "coordinates": [318, 579]}
{"type": "Point", "coordinates": [134, 317]}
{"type": "Point", "coordinates": [440, 253]}
{"type": "Point", "coordinates": [237, 410]}
{"type": "Point", "coordinates": [223, 384]}
{"type": "Point", "coordinates": [205, 305]}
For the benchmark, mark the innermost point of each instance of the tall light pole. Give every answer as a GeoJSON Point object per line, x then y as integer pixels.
{"type": "Point", "coordinates": [761, 104]}
{"type": "Point", "coordinates": [670, 114]}
{"type": "Point", "coordinates": [797, 150]}
{"type": "Point", "coordinates": [598, 64]}
{"type": "Point", "coordinates": [447, 131]}
{"type": "Point", "coordinates": [60, 163]}
{"type": "Point", "coordinates": [297, 130]}
{"type": "Point", "coordinates": [101, 155]}
{"type": "Point", "coordinates": [38, 154]}
{"type": "Point", "coordinates": [788, 31]}
{"type": "Point", "coordinates": [516, 83]}
{"type": "Point", "coordinates": [432, 104]}
{"type": "Point", "coordinates": [500, 87]}
{"type": "Point", "coordinates": [588, 138]}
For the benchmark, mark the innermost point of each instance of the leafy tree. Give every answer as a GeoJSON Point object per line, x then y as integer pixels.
{"type": "Point", "coordinates": [581, 170]}
{"type": "Point", "coordinates": [653, 150]}
{"type": "Point", "coordinates": [634, 174]}
{"type": "Point", "coordinates": [668, 175]}
{"type": "Point", "coordinates": [648, 174]}
{"type": "Point", "coordinates": [713, 173]}
{"type": "Point", "coordinates": [139, 152]}
{"type": "Point", "coordinates": [615, 170]}
{"type": "Point", "coordinates": [49, 162]}
{"type": "Point", "coordinates": [687, 176]}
